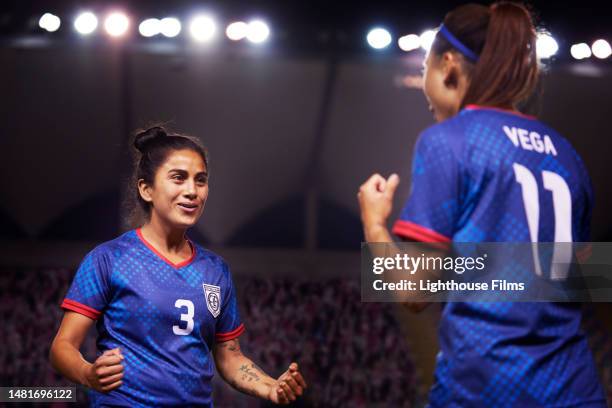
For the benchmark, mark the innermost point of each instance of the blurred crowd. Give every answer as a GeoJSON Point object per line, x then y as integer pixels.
{"type": "Point", "coordinates": [352, 354]}
{"type": "Point", "coordinates": [30, 316]}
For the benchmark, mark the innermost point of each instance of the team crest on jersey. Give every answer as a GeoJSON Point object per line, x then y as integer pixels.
{"type": "Point", "coordinates": [212, 294]}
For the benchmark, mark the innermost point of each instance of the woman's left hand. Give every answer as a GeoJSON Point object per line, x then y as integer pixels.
{"type": "Point", "coordinates": [288, 386]}
{"type": "Point", "coordinates": [376, 199]}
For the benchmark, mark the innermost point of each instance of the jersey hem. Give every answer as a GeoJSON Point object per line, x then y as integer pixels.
{"type": "Point", "coordinates": [410, 230]}
{"type": "Point", "coordinates": [80, 308]}
{"type": "Point", "coordinates": [221, 337]}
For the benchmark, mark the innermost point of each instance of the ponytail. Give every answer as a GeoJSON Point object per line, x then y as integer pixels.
{"type": "Point", "coordinates": [503, 37]}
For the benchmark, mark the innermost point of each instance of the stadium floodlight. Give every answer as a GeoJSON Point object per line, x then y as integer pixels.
{"type": "Point", "coordinates": [86, 23]}
{"type": "Point", "coordinates": [427, 38]}
{"type": "Point", "coordinates": [546, 45]}
{"type": "Point", "coordinates": [601, 49]}
{"type": "Point", "coordinates": [237, 30]}
{"type": "Point", "coordinates": [116, 24]}
{"type": "Point", "coordinates": [378, 38]}
{"type": "Point", "coordinates": [257, 32]}
{"type": "Point", "coordinates": [150, 27]}
{"type": "Point", "coordinates": [409, 42]}
{"type": "Point", "coordinates": [49, 22]}
{"type": "Point", "coordinates": [580, 51]}
{"type": "Point", "coordinates": [170, 27]}
{"type": "Point", "coordinates": [202, 28]}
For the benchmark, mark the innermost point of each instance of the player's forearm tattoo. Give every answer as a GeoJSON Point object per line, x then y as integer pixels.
{"type": "Point", "coordinates": [232, 345]}
{"type": "Point", "coordinates": [249, 373]}
{"type": "Point", "coordinates": [240, 387]}
{"type": "Point", "coordinates": [256, 367]}
{"type": "Point", "coordinates": [249, 379]}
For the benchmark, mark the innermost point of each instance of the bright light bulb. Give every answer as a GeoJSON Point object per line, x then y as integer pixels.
{"type": "Point", "coordinates": [149, 27]}
{"type": "Point", "coordinates": [546, 45]}
{"type": "Point", "coordinates": [580, 51]}
{"type": "Point", "coordinates": [257, 32]}
{"type": "Point", "coordinates": [601, 49]}
{"type": "Point", "coordinates": [378, 38]}
{"type": "Point", "coordinates": [170, 27]}
{"type": "Point", "coordinates": [49, 22]}
{"type": "Point", "coordinates": [86, 23]}
{"type": "Point", "coordinates": [116, 24]}
{"type": "Point", "coordinates": [427, 38]}
{"type": "Point", "coordinates": [237, 30]}
{"type": "Point", "coordinates": [409, 42]}
{"type": "Point", "coordinates": [203, 28]}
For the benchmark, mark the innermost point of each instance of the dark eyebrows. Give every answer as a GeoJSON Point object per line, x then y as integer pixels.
{"type": "Point", "coordinates": [184, 172]}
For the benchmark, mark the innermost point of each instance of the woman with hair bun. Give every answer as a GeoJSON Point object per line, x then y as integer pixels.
{"type": "Point", "coordinates": [161, 302]}
{"type": "Point", "coordinates": [488, 173]}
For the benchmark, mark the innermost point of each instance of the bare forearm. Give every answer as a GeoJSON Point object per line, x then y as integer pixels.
{"type": "Point", "coordinates": [245, 376]}
{"type": "Point", "coordinates": [69, 361]}
{"type": "Point", "coordinates": [376, 233]}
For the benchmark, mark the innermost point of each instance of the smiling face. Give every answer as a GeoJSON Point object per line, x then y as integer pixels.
{"type": "Point", "coordinates": [179, 191]}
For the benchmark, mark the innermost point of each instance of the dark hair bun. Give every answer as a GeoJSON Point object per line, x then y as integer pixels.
{"type": "Point", "coordinates": [146, 136]}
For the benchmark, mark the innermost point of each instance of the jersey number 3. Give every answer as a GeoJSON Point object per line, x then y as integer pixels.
{"type": "Point", "coordinates": [562, 206]}
{"type": "Point", "coordinates": [185, 317]}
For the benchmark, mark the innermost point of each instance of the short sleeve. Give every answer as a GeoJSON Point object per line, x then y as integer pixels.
{"type": "Point", "coordinates": [89, 292]}
{"type": "Point", "coordinates": [229, 326]}
{"type": "Point", "coordinates": [431, 212]}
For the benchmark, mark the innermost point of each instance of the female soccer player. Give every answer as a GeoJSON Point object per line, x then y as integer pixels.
{"type": "Point", "coordinates": [161, 302]}
{"type": "Point", "coordinates": [486, 173]}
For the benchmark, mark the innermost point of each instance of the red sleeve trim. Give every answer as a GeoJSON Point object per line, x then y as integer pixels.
{"type": "Point", "coordinates": [221, 337]}
{"type": "Point", "coordinates": [415, 231]}
{"type": "Point", "coordinates": [85, 310]}
{"type": "Point", "coordinates": [410, 230]}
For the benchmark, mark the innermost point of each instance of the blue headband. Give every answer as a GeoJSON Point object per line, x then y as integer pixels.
{"type": "Point", "coordinates": [471, 55]}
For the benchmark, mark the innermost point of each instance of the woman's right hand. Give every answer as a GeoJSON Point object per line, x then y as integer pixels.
{"type": "Point", "coordinates": [376, 201]}
{"type": "Point", "coordinates": [106, 373]}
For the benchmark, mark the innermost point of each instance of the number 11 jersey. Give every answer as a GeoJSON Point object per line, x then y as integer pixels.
{"type": "Point", "coordinates": [489, 175]}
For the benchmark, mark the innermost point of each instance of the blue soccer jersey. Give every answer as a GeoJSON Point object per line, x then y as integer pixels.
{"type": "Point", "coordinates": [164, 317]}
{"type": "Point", "coordinates": [489, 175]}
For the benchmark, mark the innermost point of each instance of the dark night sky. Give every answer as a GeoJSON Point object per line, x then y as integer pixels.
{"type": "Point", "coordinates": [574, 21]}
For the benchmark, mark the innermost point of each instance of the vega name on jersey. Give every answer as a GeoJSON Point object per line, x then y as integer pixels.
{"type": "Point", "coordinates": [530, 140]}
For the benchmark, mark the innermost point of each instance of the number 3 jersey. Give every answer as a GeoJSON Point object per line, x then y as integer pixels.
{"type": "Point", "coordinates": [489, 175]}
{"type": "Point", "coordinates": [164, 317]}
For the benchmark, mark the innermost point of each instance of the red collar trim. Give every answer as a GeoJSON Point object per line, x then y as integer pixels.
{"type": "Point", "coordinates": [479, 107]}
{"type": "Point", "coordinates": [162, 257]}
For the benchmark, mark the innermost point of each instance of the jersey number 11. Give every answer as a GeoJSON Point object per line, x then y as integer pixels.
{"type": "Point", "coordinates": [562, 206]}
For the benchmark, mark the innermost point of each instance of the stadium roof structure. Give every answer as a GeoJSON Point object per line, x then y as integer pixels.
{"type": "Point", "coordinates": [313, 24]}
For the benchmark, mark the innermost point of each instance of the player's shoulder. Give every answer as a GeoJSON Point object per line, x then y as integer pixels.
{"type": "Point", "coordinates": [479, 122]}
{"type": "Point", "coordinates": [483, 118]}
{"type": "Point", "coordinates": [211, 258]}
{"type": "Point", "coordinates": [115, 247]}
{"type": "Point", "coordinates": [447, 135]}
{"type": "Point", "coordinates": [104, 255]}
{"type": "Point", "coordinates": [522, 130]}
